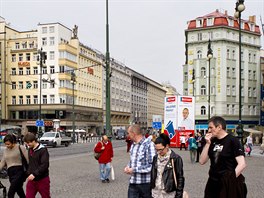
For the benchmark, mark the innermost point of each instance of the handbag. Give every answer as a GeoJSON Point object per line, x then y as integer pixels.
{"type": "Point", "coordinates": [24, 163]}
{"type": "Point", "coordinates": [112, 172]}
{"type": "Point", "coordinates": [247, 149]}
{"type": "Point", "coordinates": [184, 194]}
{"type": "Point", "coordinates": [97, 155]}
{"type": "Point", "coordinates": [194, 146]}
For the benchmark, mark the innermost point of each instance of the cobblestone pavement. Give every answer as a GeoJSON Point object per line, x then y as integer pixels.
{"type": "Point", "coordinates": [77, 176]}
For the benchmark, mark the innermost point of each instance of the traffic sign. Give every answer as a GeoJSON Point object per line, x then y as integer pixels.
{"type": "Point", "coordinates": [40, 123]}
{"type": "Point", "coordinates": [156, 125]}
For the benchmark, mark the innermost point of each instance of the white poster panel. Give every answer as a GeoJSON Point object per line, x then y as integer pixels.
{"type": "Point", "coordinates": [170, 115]}
{"type": "Point", "coordinates": [186, 113]}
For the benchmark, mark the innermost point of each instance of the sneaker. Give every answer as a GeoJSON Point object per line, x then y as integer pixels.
{"type": "Point", "coordinates": [103, 181]}
{"type": "Point", "coordinates": [107, 180]}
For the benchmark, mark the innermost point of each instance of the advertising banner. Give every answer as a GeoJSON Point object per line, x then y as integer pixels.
{"type": "Point", "coordinates": [186, 113]}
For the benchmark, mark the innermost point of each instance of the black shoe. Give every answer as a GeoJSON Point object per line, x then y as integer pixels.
{"type": "Point", "coordinates": [107, 180]}
{"type": "Point", "coordinates": [103, 181]}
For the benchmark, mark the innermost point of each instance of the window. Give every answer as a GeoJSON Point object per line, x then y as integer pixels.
{"type": "Point", "coordinates": [52, 84]}
{"type": "Point", "coordinates": [242, 56]}
{"type": "Point", "coordinates": [233, 72]}
{"type": "Point", "coordinates": [185, 76]}
{"type": "Point", "coordinates": [203, 90]}
{"type": "Point", "coordinates": [185, 92]}
{"type": "Point", "coordinates": [35, 56]}
{"type": "Point", "coordinates": [199, 23]}
{"type": "Point", "coordinates": [27, 56]}
{"type": "Point", "coordinates": [203, 72]}
{"type": "Point", "coordinates": [13, 72]}
{"type": "Point", "coordinates": [20, 85]}
{"type": "Point", "coordinates": [51, 29]}
{"type": "Point", "coordinates": [233, 90]}
{"type": "Point", "coordinates": [228, 109]}
{"type": "Point", "coordinates": [233, 54]}
{"type": "Point", "coordinates": [250, 110]}
{"type": "Point", "coordinates": [52, 40]}
{"type": "Point", "coordinates": [249, 92]}
{"type": "Point", "coordinates": [52, 99]}
{"type": "Point", "coordinates": [35, 84]}
{"type": "Point", "coordinates": [13, 100]}
{"type": "Point", "coordinates": [233, 110]}
{"type": "Point", "coordinates": [31, 45]}
{"type": "Point", "coordinates": [228, 90]}
{"type": "Point", "coordinates": [28, 99]}
{"type": "Point", "coordinates": [249, 57]}
{"type": "Point", "coordinates": [249, 75]}
{"type": "Point", "coordinates": [44, 99]}
{"type": "Point", "coordinates": [13, 57]}
{"type": "Point", "coordinates": [52, 69]}
{"type": "Point", "coordinates": [28, 70]}
{"type": "Point", "coordinates": [228, 54]}
{"type": "Point", "coordinates": [52, 55]}
{"type": "Point", "coordinates": [44, 30]}
{"type": "Point", "coordinates": [20, 57]}
{"type": "Point", "coordinates": [44, 85]}
{"type": "Point", "coordinates": [200, 36]}
{"type": "Point", "coordinates": [35, 99]}
{"type": "Point", "coordinates": [254, 58]}
{"type": "Point", "coordinates": [44, 41]}
{"type": "Point", "coordinates": [254, 110]}
{"type": "Point", "coordinates": [228, 72]}
{"type": "Point", "coordinates": [254, 92]}
{"type": "Point", "coordinates": [242, 73]}
{"type": "Point", "coordinates": [20, 71]}
{"type": "Point", "coordinates": [35, 70]}
{"type": "Point", "coordinates": [17, 46]}
{"type": "Point", "coordinates": [20, 100]}
{"type": "Point", "coordinates": [209, 21]}
{"type": "Point", "coordinates": [203, 110]}
{"type": "Point", "coordinates": [62, 68]}
{"type": "Point", "coordinates": [254, 77]}
{"type": "Point", "coordinates": [24, 45]}
{"type": "Point", "coordinates": [242, 91]}
{"type": "Point", "coordinates": [210, 35]}
{"type": "Point", "coordinates": [199, 54]}
{"type": "Point", "coordinates": [44, 70]}
{"type": "Point", "coordinates": [13, 85]}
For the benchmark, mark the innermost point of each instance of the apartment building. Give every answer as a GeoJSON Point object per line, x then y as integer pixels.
{"type": "Point", "coordinates": [223, 31]}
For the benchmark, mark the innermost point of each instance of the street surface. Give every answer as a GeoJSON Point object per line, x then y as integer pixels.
{"type": "Point", "coordinates": [74, 173]}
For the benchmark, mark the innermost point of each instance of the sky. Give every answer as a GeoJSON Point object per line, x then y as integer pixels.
{"type": "Point", "coordinates": [145, 35]}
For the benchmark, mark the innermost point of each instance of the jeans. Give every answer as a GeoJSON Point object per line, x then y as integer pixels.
{"type": "Point", "coordinates": [139, 191]}
{"type": "Point", "coordinates": [250, 147]}
{"type": "Point", "coordinates": [105, 170]}
{"type": "Point", "coordinates": [193, 155]}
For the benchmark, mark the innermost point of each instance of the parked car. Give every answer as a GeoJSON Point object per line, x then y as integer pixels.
{"type": "Point", "coordinates": [120, 134]}
{"type": "Point", "coordinates": [55, 139]}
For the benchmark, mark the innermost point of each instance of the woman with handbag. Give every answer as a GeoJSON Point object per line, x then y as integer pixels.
{"type": "Point", "coordinates": [192, 148]}
{"type": "Point", "coordinates": [13, 160]}
{"type": "Point", "coordinates": [167, 179]}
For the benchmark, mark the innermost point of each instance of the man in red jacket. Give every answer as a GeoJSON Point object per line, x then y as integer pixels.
{"type": "Point", "coordinates": [106, 149]}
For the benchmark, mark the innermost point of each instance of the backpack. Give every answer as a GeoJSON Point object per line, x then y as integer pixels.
{"type": "Point", "coordinates": [97, 155]}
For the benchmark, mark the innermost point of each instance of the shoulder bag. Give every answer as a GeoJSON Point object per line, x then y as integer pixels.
{"type": "Point", "coordinates": [97, 155]}
{"type": "Point", "coordinates": [184, 194]}
{"type": "Point", "coordinates": [24, 163]}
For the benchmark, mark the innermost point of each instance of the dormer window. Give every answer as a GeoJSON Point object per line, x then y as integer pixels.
{"type": "Point", "coordinates": [209, 21]}
{"type": "Point", "coordinates": [199, 23]}
{"type": "Point", "coordinates": [231, 22]}
{"type": "Point", "coordinates": [252, 27]}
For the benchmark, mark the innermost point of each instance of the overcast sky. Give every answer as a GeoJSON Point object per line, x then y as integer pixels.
{"type": "Point", "coordinates": [146, 35]}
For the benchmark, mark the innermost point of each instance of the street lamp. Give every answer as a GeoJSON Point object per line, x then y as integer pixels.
{"type": "Point", "coordinates": [240, 7]}
{"type": "Point", "coordinates": [73, 81]}
{"type": "Point", "coordinates": [209, 56]}
{"type": "Point", "coordinates": [193, 79]}
{"type": "Point", "coordinates": [107, 80]}
{"type": "Point", "coordinates": [42, 60]}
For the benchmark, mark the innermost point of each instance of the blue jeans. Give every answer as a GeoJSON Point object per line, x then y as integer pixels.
{"type": "Point", "coordinates": [105, 170]}
{"type": "Point", "coordinates": [139, 191]}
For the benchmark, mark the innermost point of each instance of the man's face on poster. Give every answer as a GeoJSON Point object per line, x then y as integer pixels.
{"type": "Point", "coordinates": [185, 113]}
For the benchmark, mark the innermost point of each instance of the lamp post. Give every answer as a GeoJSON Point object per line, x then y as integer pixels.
{"type": "Point", "coordinates": [42, 59]}
{"type": "Point", "coordinates": [240, 7]}
{"type": "Point", "coordinates": [193, 79]}
{"type": "Point", "coordinates": [209, 56]}
{"type": "Point", "coordinates": [73, 81]}
{"type": "Point", "coordinates": [108, 74]}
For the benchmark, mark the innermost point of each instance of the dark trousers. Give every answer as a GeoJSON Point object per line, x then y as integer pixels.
{"type": "Point", "coordinates": [16, 179]}
{"type": "Point", "coordinates": [139, 191]}
{"type": "Point", "coordinates": [183, 144]}
{"type": "Point", "coordinates": [199, 151]}
{"type": "Point", "coordinates": [42, 186]}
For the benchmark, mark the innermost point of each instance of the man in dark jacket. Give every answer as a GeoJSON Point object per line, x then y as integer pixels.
{"type": "Point", "coordinates": [38, 168]}
{"type": "Point", "coordinates": [167, 178]}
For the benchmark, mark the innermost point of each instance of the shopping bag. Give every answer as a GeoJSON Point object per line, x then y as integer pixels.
{"type": "Point", "coordinates": [112, 173]}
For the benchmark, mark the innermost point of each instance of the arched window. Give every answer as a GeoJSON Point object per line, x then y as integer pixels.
{"type": "Point", "coordinates": [199, 54]}
{"type": "Point", "coordinates": [203, 72]}
{"type": "Point", "coordinates": [203, 90]}
{"type": "Point", "coordinates": [228, 54]}
{"type": "Point", "coordinates": [203, 110]}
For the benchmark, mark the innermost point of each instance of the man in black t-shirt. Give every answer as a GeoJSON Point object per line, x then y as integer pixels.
{"type": "Point", "coordinates": [227, 162]}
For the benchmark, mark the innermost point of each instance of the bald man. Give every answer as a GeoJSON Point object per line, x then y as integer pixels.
{"type": "Point", "coordinates": [106, 149]}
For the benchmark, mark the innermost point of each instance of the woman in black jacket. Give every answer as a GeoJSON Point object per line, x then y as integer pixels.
{"type": "Point", "coordinates": [162, 178]}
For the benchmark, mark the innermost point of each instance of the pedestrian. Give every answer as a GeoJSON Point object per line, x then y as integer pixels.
{"type": "Point", "coordinates": [165, 164]}
{"type": "Point", "coordinates": [183, 142]}
{"type": "Point", "coordinates": [106, 149]}
{"type": "Point", "coordinates": [227, 162]}
{"type": "Point", "coordinates": [139, 167]}
{"type": "Point", "coordinates": [249, 143]}
{"type": "Point", "coordinates": [129, 143]}
{"type": "Point", "coordinates": [192, 148]}
{"type": "Point", "coordinates": [38, 168]}
{"type": "Point", "coordinates": [12, 159]}
{"type": "Point", "coordinates": [200, 143]}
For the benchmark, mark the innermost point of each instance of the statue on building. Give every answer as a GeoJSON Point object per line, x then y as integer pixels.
{"type": "Point", "coordinates": [75, 32]}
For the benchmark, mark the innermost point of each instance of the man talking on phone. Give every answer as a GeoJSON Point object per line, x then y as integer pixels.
{"type": "Point", "coordinates": [227, 162]}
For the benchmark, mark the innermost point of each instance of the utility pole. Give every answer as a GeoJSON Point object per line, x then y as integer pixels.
{"type": "Point", "coordinates": [73, 81]}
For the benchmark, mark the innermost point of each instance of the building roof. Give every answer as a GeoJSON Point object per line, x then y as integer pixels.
{"type": "Point", "coordinates": [222, 19]}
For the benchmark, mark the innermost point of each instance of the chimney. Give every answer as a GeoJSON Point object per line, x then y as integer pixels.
{"type": "Point", "coordinates": [217, 10]}
{"type": "Point", "coordinates": [226, 12]}
{"type": "Point", "coordinates": [252, 19]}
